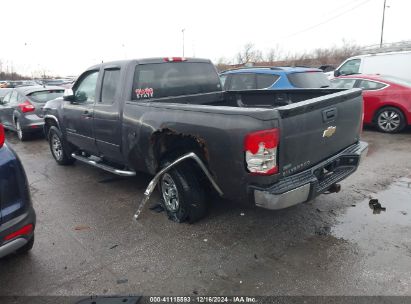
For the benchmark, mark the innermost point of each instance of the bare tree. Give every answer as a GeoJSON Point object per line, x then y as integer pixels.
{"type": "Point", "coordinates": [249, 54]}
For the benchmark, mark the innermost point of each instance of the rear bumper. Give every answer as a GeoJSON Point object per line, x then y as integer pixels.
{"type": "Point", "coordinates": [13, 225]}
{"type": "Point", "coordinates": [32, 123]}
{"type": "Point", "coordinates": [306, 185]}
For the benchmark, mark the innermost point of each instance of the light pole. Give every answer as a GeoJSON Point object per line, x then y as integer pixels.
{"type": "Point", "coordinates": [382, 25]}
{"type": "Point", "coordinates": [183, 30]}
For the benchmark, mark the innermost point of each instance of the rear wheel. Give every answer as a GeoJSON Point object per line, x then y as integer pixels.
{"type": "Point", "coordinates": [390, 120]}
{"type": "Point", "coordinates": [20, 133]}
{"type": "Point", "coordinates": [58, 147]}
{"type": "Point", "coordinates": [182, 195]}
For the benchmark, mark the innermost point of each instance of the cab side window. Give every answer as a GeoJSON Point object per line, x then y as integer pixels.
{"type": "Point", "coordinates": [350, 67]}
{"type": "Point", "coordinates": [85, 91]}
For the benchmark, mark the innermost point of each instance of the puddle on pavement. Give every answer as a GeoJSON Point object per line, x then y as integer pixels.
{"type": "Point", "coordinates": [363, 225]}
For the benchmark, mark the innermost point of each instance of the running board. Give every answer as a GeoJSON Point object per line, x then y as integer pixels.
{"type": "Point", "coordinates": [102, 166]}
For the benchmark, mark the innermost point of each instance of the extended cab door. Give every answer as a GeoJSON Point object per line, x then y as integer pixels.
{"type": "Point", "coordinates": [78, 114]}
{"type": "Point", "coordinates": [106, 122]}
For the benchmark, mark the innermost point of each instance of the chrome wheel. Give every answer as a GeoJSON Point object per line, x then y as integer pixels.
{"type": "Point", "coordinates": [56, 147]}
{"type": "Point", "coordinates": [19, 130]}
{"type": "Point", "coordinates": [170, 193]}
{"type": "Point", "coordinates": [389, 120]}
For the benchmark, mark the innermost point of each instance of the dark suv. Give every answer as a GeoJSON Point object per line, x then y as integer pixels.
{"type": "Point", "coordinates": [17, 216]}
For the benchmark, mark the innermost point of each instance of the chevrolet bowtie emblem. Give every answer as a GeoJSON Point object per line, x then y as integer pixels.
{"type": "Point", "coordinates": [329, 131]}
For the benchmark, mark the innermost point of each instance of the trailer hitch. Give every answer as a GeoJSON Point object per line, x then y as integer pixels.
{"type": "Point", "coordinates": [153, 183]}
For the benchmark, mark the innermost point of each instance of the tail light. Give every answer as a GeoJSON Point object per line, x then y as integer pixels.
{"type": "Point", "coordinates": [174, 59]}
{"type": "Point", "coordinates": [26, 107]}
{"type": "Point", "coordinates": [2, 136]}
{"type": "Point", "coordinates": [261, 151]}
{"type": "Point", "coordinates": [26, 230]}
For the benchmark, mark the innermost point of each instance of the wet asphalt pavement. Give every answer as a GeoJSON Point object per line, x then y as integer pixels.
{"type": "Point", "coordinates": [87, 243]}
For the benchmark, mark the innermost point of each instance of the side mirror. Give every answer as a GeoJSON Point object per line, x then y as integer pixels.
{"type": "Point", "coordinates": [337, 73]}
{"type": "Point", "coordinates": [68, 95]}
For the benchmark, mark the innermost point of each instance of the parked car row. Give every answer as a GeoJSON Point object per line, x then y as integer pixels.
{"type": "Point", "coordinates": [387, 98]}
{"type": "Point", "coordinates": [21, 108]}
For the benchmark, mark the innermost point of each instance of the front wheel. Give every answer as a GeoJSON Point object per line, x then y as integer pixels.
{"type": "Point", "coordinates": [390, 120]}
{"type": "Point", "coordinates": [183, 197]}
{"type": "Point", "coordinates": [58, 147]}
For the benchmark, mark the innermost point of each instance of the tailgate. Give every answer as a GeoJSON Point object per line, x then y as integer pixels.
{"type": "Point", "coordinates": [318, 128]}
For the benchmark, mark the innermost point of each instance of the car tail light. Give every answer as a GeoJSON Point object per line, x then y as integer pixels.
{"type": "Point", "coordinates": [26, 107]}
{"type": "Point", "coordinates": [174, 59]}
{"type": "Point", "coordinates": [2, 136]}
{"type": "Point", "coordinates": [261, 151]}
{"type": "Point", "coordinates": [26, 230]}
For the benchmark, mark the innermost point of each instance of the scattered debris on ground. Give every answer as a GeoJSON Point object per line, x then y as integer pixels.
{"type": "Point", "coordinates": [376, 206]}
{"type": "Point", "coordinates": [82, 227]}
{"type": "Point", "coordinates": [122, 281]}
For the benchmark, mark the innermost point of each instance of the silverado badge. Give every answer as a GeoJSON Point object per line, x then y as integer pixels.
{"type": "Point", "coordinates": [329, 131]}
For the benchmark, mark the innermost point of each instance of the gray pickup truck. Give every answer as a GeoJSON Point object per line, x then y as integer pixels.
{"type": "Point", "coordinates": [270, 148]}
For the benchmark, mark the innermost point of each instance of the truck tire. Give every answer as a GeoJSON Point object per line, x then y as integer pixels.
{"type": "Point", "coordinates": [58, 147]}
{"type": "Point", "coordinates": [390, 120]}
{"type": "Point", "coordinates": [183, 198]}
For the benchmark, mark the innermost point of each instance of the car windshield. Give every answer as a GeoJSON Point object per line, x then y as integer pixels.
{"type": "Point", "coordinates": [399, 81]}
{"type": "Point", "coordinates": [44, 96]}
{"type": "Point", "coordinates": [309, 80]}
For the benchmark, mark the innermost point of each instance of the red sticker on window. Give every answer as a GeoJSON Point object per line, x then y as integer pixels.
{"type": "Point", "coordinates": [144, 93]}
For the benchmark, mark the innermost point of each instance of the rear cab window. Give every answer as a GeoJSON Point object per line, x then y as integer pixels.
{"type": "Point", "coordinates": [309, 80]}
{"type": "Point", "coordinates": [168, 79]}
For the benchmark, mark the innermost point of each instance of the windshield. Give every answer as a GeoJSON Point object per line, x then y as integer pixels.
{"type": "Point", "coordinates": [44, 96]}
{"type": "Point", "coordinates": [309, 80]}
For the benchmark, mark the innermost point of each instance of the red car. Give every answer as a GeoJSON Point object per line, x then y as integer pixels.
{"type": "Point", "coordinates": [387, 99]}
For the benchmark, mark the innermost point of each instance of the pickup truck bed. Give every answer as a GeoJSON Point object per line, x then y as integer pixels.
{"type": "Point", "coordinates": [260, 146]}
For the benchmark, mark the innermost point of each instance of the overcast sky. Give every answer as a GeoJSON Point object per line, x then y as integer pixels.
{"type": "Point", "coordinates": [66, 36]}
